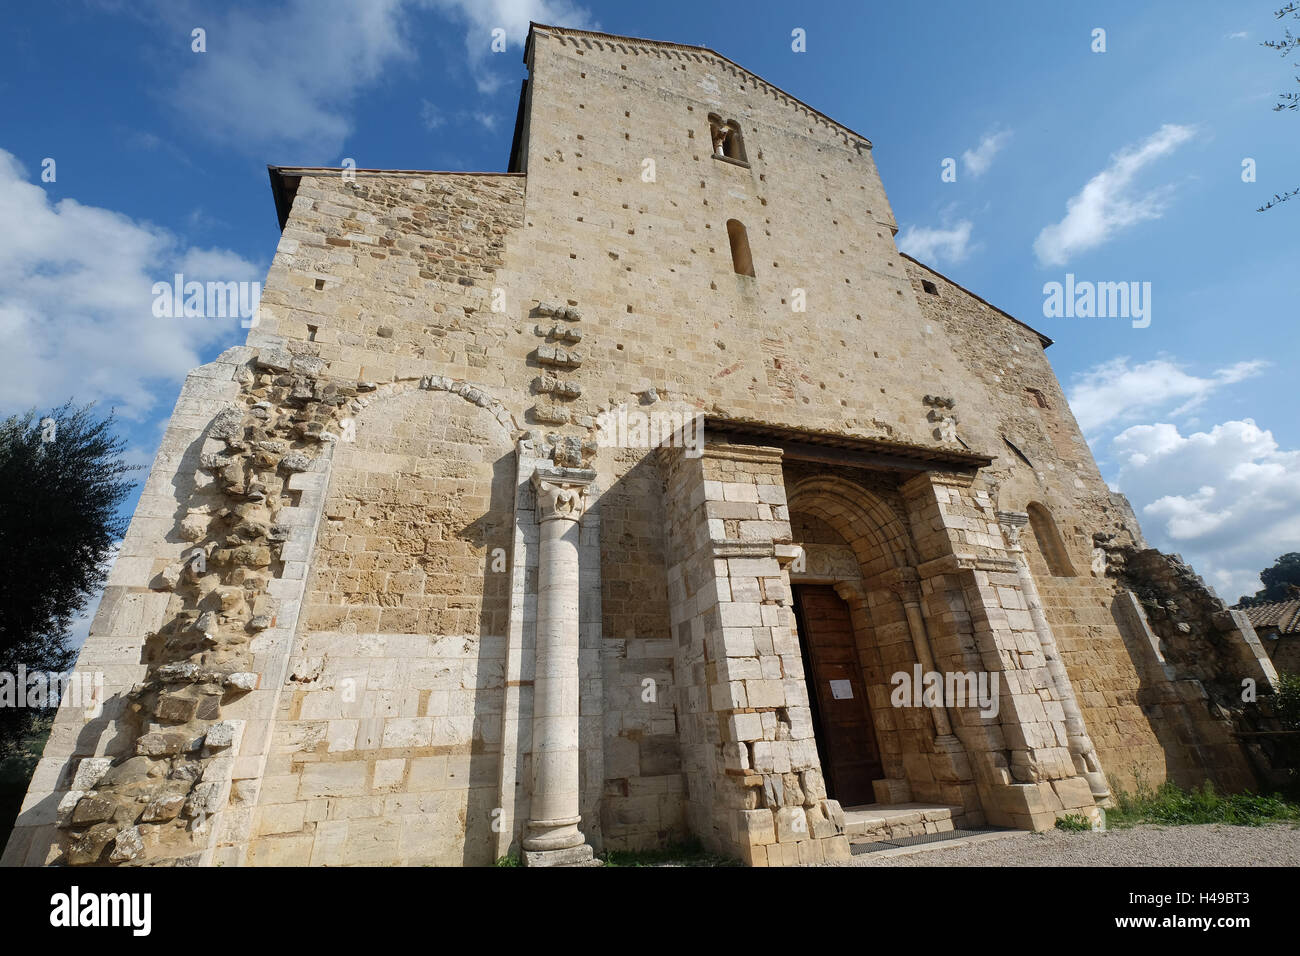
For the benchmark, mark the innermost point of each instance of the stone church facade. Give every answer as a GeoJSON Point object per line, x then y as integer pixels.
{"type": "Point", "coordinates": [610, 502]}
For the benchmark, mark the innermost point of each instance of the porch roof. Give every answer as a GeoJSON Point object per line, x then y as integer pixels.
{"type": "Point", "coordinates": [810, 444]}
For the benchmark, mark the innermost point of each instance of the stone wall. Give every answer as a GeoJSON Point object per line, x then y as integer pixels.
{"type": "Point", "coordinates": [1043, 460]}
{"type": "Point", "coordinates": [643, 799]}
{"type": "Point", "coordinates": [753, 777]}
{"type": "Point", "coordinates": [1207, 675]}
{"type": "Point", "coordinates": [386, 745]}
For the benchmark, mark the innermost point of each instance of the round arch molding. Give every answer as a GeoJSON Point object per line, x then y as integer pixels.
{"type": "Point", "coordinates": [878, 536]}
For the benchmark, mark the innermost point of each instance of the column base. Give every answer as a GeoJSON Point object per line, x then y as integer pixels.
{"type": "Point", "coordinates": [569, 856]}
{"type": "Point", "coordinates": [547, 835]}
{"type": "Point", "coordinates": [1097, 784]}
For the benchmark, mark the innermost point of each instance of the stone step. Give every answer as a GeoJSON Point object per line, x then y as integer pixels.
{"type": "Point", "coordinates": [890, 821]}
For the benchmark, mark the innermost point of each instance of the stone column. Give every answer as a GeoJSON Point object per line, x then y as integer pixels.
{"type": "Point", "coordinates": [951, 763]}
{"type": "Point", "coordinates": [1081, 747]}
{"type": "Point", "coordinates": [552, 837]}
{"type": "Point", "coordinates": [906, 586]}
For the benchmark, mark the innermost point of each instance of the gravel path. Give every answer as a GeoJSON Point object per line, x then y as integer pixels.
{"type": "Point", "coordinates": [1147, 845]}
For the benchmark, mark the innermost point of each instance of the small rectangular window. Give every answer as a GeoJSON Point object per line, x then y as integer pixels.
{"type": "Point", "coordinates": [929, 287]}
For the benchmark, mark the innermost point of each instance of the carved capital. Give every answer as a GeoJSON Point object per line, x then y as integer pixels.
{"type": "Point", "coordinates": [1012, 523]}
{"type": "Point", "coordinates": [905, 583]}
{"type": "Point", "coordinates": [907, 591]}
{"type": "Point", "coordinates": [562, 492]}
{"type": "Point", "coordinates": [850, 591]}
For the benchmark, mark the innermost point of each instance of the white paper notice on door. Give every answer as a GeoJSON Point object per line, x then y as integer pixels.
{"type": "Point", "coordinates": [841, 690]}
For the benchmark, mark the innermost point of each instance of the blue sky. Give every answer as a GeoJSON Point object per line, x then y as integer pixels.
{"type": "Point", "coordinates": [1123, 165]}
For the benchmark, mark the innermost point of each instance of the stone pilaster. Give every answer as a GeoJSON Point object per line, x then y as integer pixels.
{"type": "Point", "coordinates": [750, 756]}
{"type": "Point", "coordinates": [1023, 766]}
{"type": "Point", "coordinates": [552, 836]}
{"type": "Point", "coordinates": [1081, 747]}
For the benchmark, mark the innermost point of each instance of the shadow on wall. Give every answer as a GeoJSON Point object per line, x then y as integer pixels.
{"type": "Point", "coordinates": [489, 533]}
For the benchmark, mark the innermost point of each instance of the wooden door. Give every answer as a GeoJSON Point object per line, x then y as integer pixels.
{"type": "Point", "coordinates": [846, 738]}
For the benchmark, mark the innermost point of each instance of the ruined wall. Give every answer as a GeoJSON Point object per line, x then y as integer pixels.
{"type": "Point", "coordinates": [386, 747]}
{"type": "Point", "coordinates": [1207, 675]}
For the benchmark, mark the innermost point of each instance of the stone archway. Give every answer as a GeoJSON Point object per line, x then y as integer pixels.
{"type": "Point", "coordinates": [882, 592]}
{"type": "Point", "coordinates": [392, 707]}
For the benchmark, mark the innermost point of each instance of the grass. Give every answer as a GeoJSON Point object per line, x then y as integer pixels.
{"type": "Point", "coordinates": [1171, 805]}
{"type": "Point", "coordinates": [689, 853]}
{"type": "Point", "coordinates": [1074, 822]}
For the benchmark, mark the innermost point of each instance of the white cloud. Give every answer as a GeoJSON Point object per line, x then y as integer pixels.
{"type": "Point", "coordinates": [933, 245]}
{"type": "Point", "coordinates": [1239, 35]}
{"type": "Point", "coordinates": [1107, 203]}
{"type": "Point", "coordinates": [431, 116]}
{"type": "Point", "coordinates": [1117, 391]}
{"type": "Point", "coordinates": [979, 159]}
{"type": "Point", "coordinates": [512, 16]}
{"type": "Point", "coordinates": [1227, 499]}
{"type": "Point", "coordinates": [287, 77]}
{"type": "Point", "coordinates": [435, 118]}
{"type": "Point", "coordinates": [76, 302]}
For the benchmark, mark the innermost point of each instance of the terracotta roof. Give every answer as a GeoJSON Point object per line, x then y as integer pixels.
{"type": "Point", "coordinates": [1282, 616]}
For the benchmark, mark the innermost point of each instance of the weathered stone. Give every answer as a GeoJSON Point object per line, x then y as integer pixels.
{"type": "Point", "coordinates": [163, 808]}
{"type": "Point", "coordinates": [202, 799]}
{"type": "Point", "coordinates": [791, 825]}
{"type": "Point", "coordinates": [179, 671]}
{"type": "Point", "coordinates": [242, 680]}
{"type": "Point", "coordinates": [90, 771]}
{"type": "Point", "coordinates": [175, 708]}
{"type": "Point", "coordinates": [127, 845]}
{"type": "Point", "coordinates": [155, 744]}
{"type": "Point", "coordinates": [67, 804]}
{"type": "Point", "coordinates": [194, 526]}
{"type": "Point", "coordinates": [170, 576]}
{"type": "Point", "coordinates": [308, 364]}
{"type": "Point", "coordinates": [88, 847]}
{"type": "Point", "coordinates": [252, 556]}
{"type": "Point", "coordinates": [93, 809]}
{"type": "Point", "coordinates": [221, 735]}
{"type": "Point", "coordinates": [228, 424]}
{"type": "Point", "coordinates": [274, 359]}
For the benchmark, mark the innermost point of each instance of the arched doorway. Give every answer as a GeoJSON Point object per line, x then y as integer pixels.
{"type": "Point", "coordinates": [849, 536]}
